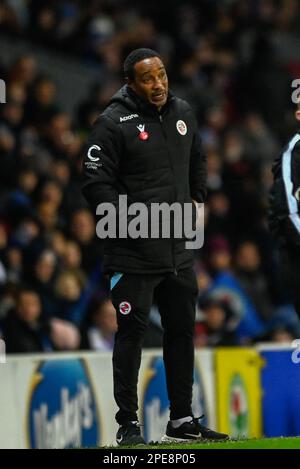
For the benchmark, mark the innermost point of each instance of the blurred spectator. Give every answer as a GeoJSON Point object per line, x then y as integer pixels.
{"type": "Point", "coordinates": [99, 334]}
{"type": "Point", "coordinates": [51, 192]}
{"type": "Point", "coordinates": [19, 203]}
{"type": "Point", "coordinates": [220, 258]}
{"type": "Point", "coordinates": [16, 92]}
{"type": "Point", "coordinates": [43, 278]}
{"type": "Point", "coordinates": [282, 335]}
{"type": "Point", "coordinates": [23, 71]}
{"type": "Point", "coordinates": [8, 300]}
{"type": "Point", "coordinates": [214, 170]}
{"type": "Point", "coordinates": [3, 241]}
{"type": "Point", "coordinates": [14, 266]}
{"type": "Point", "coordinates": [64, 335]}
{"type": "Point", "coordinates": [226, 287]}
{"type": "Point", "coordinates": [59, 138]}
{"type": "Point", "coordinates": [27, 231]}
{"type": "Point", "coordinates": [248, 271]}
{"type": "Point", "coordinates": [69, 288]}
{"type": "Point", "coordinates": [57, 242]}
{"type": "Point", "coordinates": [24, 330]}
{"type": "Point", "coordinates": [83, 231]}
{"type": "Point", "coordinates": [89, 110]}
{"type": "Point", "coordinates": [219, 220]}
{"type": "Point", "coordinates": [3, 276]}
{"type": "Point", "coordinates": [260, 144]}
{"type": "Point", "coordinates": [215, 328]}
{"type": "Point", "coordinates": [41, 106]}
{"type": "Point", "coordinates": [71, 256]}
{"type": "Point", "coordinates": [60, 170]}
{"type": "Point", "coordinates": [48, 215]}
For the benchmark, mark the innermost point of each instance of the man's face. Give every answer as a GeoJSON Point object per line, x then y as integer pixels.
{"type": "Point", "coordinates": [29, 307]}
{"type": "Point", "coordinates": [151, 81]}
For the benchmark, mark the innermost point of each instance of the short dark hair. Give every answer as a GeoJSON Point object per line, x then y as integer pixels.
{"type": "Point", "coordinates": [136, 56]}
{"type": "Point", "coordinates": [25, 290]}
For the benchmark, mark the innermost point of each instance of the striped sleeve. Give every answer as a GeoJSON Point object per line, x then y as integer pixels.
{"type": "Point", "coordinates": [291, 179]}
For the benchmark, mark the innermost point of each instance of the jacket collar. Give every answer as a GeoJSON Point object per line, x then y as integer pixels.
{"type": "Point", "coordinates": [135, 103]}
{"type": "Point", "coordinates": [147, 107]}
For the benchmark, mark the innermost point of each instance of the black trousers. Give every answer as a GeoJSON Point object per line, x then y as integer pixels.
{"type": "Point", "coordinates": [289, 259]}
{"type": "Point", "coordinates": [175, 296]}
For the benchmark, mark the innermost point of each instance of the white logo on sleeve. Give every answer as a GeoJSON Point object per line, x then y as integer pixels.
{"type": "Point", "coordinates": [181, 127]}
{"type": "Point", "coordinates": [141, 127]}
{"type": "Point", "coordinates": [93, 158]}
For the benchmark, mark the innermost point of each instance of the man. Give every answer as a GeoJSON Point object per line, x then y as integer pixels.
{"type": "Point", "coordinates": [24, 331]}
{"type": "Point", "coordinates": [284, 218]}
{"type": "Point", "coordinates": [146, 145]}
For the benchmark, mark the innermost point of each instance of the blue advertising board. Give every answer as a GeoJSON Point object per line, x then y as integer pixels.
{"type": "Point", "coordinates": [280, 381]}
{"type": "Point", "coordinates": [62, 407]}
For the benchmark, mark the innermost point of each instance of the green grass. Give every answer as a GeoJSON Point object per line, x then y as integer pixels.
{"type": "Point", "coordinates": [259, 443]}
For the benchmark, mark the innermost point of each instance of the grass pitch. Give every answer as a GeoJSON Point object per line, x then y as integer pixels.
{"type": "Point", "coordinates": [259, 443]}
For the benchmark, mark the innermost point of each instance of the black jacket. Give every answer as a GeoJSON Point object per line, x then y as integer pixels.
{"type": "Point", "coordinates": [168, 166]}
{"type": "Point", "coordinates": [284, 219]}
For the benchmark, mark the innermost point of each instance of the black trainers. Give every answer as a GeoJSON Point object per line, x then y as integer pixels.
{"type": "Point", "coordinates": [191, 431]}
{"type": "Point", "coordinates": [130, 434]}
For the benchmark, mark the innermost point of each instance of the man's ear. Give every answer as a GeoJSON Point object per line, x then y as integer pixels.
{"type": "Point", "coordinates": [129, 81]}
{"type": "Point", "coordinates": [297, 115]}
{"type": "Point", "coordinates": [131, 84]}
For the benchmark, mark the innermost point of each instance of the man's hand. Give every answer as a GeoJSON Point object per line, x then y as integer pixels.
{"type": "Point", "coordinates": [199, 213]}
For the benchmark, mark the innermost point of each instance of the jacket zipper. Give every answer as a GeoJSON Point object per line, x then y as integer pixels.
{"type": "Point", "coordinates": [170, 161]}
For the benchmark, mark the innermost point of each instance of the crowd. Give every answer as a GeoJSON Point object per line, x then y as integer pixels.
{"type": "Point", "coordinates": [234, 61]}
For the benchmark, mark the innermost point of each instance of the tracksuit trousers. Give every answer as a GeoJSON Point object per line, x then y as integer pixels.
{"type": "Point", "coordinates": [175, 296]}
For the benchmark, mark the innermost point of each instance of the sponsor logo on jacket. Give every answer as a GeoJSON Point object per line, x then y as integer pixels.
{"type": "Point", "coordinates": [93, 162]}
{"type": "Point", "coordinates": [128, 118]}
{"type": "Point", "coordinates": [93, 158]}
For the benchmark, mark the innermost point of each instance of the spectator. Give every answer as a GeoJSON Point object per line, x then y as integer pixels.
{"type": "Point", "coordinates": [227, 288]}
{"type": "Point", "coordinates": [41, 106]}
{"type": "Point", "coordinates": [24, 330]}
{"type": "Point", "coordinates": [69, 291]}
{"type": "Point", "coordinates": [249, 272]}
{"type": "Point", "coordinates": [64, 335]}
{"type": "Point", "coordinates": [216, 328]}
{"type": "Point", "coordinates": [43, 278]}
{"type": "Point", "coordinates": [100, 333]}
{"type": "Point", "coordinates": [83, 231]}
{"type": "Point", "coordinates": [71, 257]}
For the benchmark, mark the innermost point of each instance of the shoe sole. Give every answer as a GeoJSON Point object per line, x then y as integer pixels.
{"type": "Point", "coordinates": [171, 439]}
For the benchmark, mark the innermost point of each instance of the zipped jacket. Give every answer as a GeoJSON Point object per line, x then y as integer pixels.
{"type": "Point", "coordinates": [151, 157]}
